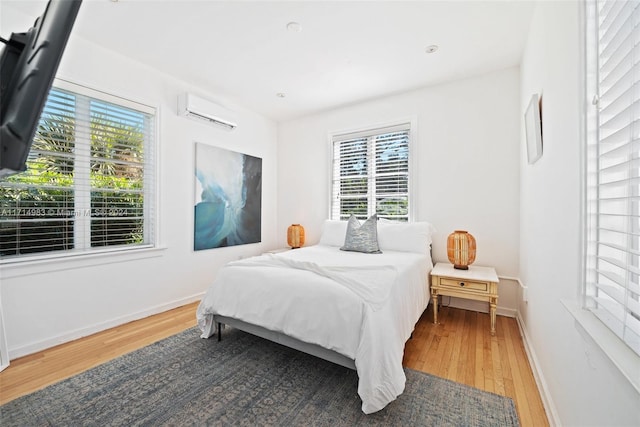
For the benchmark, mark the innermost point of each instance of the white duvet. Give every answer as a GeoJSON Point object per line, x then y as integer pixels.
{"type": "Point", "coordinates": [363, 306]}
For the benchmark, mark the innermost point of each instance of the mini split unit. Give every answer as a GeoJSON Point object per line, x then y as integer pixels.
{"type": "Point", "coordinates": [198, 108]}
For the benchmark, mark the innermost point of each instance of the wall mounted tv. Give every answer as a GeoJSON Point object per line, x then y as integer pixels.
{"type": "Point", "coordinates": [28, 65]}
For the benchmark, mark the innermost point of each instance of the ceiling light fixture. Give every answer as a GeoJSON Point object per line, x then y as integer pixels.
{"type": "Point", "coordinates": [432, 48]}
{"type": "Point", "coordinates": [280, 95]}
{"type": "Point", "coordinates": [294, 27]}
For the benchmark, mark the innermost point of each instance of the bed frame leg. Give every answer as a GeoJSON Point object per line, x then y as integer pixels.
{"type": "Point", "coordinates": [219, 331]}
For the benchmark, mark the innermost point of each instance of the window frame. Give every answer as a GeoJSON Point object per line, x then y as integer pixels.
{"type": "Point", "coordinates": [35, 263]}
{"type": "Point", "coordinates": [412, 123]}
{"type": "Point", "coordinates": [588, 324]}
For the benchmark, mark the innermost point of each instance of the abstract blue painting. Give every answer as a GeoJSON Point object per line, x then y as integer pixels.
{"type": "Point", "coordinates": [228, 199]}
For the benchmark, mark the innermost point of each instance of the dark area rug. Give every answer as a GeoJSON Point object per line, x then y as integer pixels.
{"type": "Point", "coordinates": [243, 380]}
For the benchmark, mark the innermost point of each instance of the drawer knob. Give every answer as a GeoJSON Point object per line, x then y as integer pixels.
{"type": "Point", "coordinates": [461, 283]}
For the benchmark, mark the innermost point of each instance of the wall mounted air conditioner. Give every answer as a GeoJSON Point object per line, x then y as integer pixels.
{"type": "Point", "coordinates": [198, 108]}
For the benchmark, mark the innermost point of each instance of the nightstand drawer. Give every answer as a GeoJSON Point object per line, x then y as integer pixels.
{"type": "Point", "coordinates": [464, 284]}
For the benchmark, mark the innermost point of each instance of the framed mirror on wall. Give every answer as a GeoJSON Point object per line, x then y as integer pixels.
{"type": "Point", "coordinates": [533, 129]}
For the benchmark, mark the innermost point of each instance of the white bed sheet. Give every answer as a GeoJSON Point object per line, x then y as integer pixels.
{"type": "Point", "coordinates": [370, 326]}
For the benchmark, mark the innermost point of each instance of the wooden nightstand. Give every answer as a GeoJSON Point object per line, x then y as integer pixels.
{"type": "Point", "coordinates": [477, 283]}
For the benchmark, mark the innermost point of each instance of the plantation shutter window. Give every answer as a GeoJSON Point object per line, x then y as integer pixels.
{"type": "Point", "coordinates": [371, 174]}
{"type": "Point", "coordinates": [613, 168]}
{"type": "Point", "coordinates": [90, 178]}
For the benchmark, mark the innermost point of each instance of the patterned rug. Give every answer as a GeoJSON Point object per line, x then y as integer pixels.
{"type": "Point", "coordinates": [243, 380]}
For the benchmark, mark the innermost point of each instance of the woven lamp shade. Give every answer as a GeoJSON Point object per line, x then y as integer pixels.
{"type": "Point", "coordinates": [295, 236]}
{"type": "Point", "coordinates": [461, 249]}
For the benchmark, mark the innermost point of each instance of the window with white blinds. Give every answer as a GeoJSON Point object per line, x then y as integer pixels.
{"type": "Point", "coordinates": [371, 174]}
{"type": "Point", "coordinates": [89, 182]}
{"type": "Point", "coordinates": [612, 290]}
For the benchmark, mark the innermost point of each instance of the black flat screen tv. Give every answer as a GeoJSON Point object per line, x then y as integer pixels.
{"type": "Point", "coordinates": [28, 65]}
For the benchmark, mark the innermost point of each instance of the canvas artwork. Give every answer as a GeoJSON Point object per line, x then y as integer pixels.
{"type": "Point", "coordinates": [228, 198]}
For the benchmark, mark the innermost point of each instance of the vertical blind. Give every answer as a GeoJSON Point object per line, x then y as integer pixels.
{"type": "Point", "coordinates": [89, 180]}
{"type": "Point", "coordinates": [613, 184]}
{"type": "Point", "coordinates": [371, 174]}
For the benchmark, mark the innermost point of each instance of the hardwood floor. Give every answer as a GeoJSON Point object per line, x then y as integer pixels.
{"type": "Point", "coordinates": [460, 348]}
{"type": "Point", "coordinates": [35, 371]}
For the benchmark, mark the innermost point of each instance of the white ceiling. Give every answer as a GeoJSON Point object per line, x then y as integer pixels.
{"type": "Point", "coordinates": [347, 52]}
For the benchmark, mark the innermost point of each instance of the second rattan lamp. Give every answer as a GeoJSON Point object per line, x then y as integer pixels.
{"type": "Point", "coordinates": [461, 249]}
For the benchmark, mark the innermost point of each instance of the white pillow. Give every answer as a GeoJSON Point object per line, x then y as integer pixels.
{"type": "Point", "coordinates": [405, 237]}
{"type": "Point", "coordinates": [333, 233]}
{"type": "Point", "coordinates": [392, 236]}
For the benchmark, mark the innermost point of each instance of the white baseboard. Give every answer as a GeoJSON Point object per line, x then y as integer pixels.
{"type": "Point", "coordinates": [479, 306]}
{"type": "Point", "coordinates": [507, 312]}
{"type": "Point", "coordinates": [99, 327]}
{"type": "Point", "coordinates": [545, 395]}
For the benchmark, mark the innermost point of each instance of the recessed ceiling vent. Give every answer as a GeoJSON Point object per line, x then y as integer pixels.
{"type": "Point", "coordinates": [198, 108]}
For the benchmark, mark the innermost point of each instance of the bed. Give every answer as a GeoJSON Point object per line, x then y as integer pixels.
{"type": "Point", "coordinates": [353, 308]}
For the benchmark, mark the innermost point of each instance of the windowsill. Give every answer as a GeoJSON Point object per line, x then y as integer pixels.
{"type": "Point", "coordinates": [67, 261]}
{"type": "Point", "coordinates": [625, 359]}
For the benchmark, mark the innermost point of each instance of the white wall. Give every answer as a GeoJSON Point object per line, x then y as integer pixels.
{"type": "Point", "coordinates": [467, 144]}
{"type": "Point", "coordinates": [584, 387]}
{"type": "Point", "coordinates": [45, 304]}
{"type": "Point", "coordinates": [469, 137]}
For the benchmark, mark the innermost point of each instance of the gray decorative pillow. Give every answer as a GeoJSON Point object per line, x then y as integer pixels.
{"type": "Point", "coordinates": [362, 238]}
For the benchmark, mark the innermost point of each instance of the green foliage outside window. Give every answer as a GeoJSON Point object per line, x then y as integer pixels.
{"type": "Point", "coordinates": [39, 208]}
